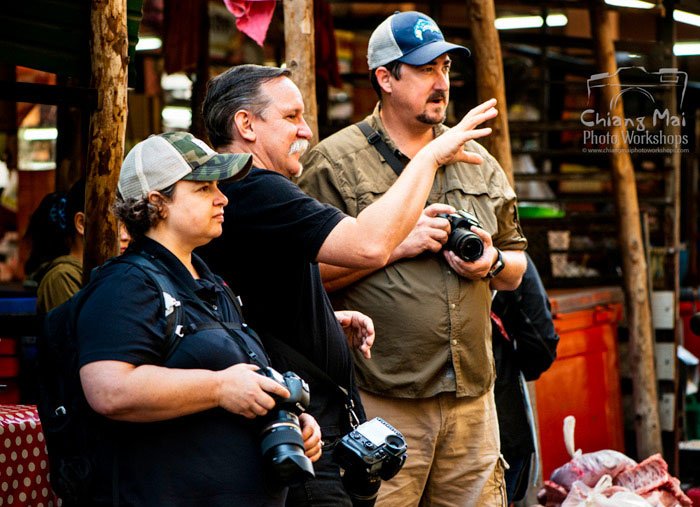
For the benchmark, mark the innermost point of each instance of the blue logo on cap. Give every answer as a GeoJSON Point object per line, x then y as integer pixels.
{"type": "Point", "coordinates": [423, 25]}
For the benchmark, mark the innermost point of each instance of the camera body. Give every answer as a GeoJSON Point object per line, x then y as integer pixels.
{"type": "Point", "coordinates": [462, 241]}
{"type": "Point", "coordinates": [372, 452]}
{"type": "Point", "coordinates": [299, 398]}
{"type": "Point", "coordinates": [281, 444]}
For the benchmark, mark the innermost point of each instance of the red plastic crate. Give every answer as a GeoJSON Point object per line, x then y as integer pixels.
{"type": "Point", "coordinates": [9, 392]}
{"type": "Point", "coordinates": [9, 367]}
{"type": "Point", "coordinates": [583, 382]}
{"type": "Point", "coordinates": [690, 341]}
{"type": "Point", "coordinates": [8, 346]}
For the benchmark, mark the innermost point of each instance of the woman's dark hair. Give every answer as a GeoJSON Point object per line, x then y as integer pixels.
{"type": "Point", "coordinates": [140, 215]}
{"type": "Point", "coordinates": [51, 230]}
{"type": "Point", "coordinates": [237, 88]}
{"type": "Point", "coordinates": [393, 67]}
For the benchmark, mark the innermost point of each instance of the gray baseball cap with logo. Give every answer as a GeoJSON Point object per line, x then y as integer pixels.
{"type": "Point", "coordinates": [164, 159]}
{"type": "Point", "coordinates": [409, 37]}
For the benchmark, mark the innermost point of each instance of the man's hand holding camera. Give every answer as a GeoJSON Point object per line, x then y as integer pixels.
{"type": "Point", "coordinates": [429, 234]}
{"type": "Point", "coordinates": [479, 268]}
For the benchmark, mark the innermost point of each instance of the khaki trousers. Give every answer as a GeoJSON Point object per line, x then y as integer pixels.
{"type": "Point", "coordinates": [453, 451]}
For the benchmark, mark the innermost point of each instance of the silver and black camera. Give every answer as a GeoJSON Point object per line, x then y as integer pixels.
{"type": "Point", "coordinates": [372, 452]}
{"type": "Point", "coordinates": [281, 443]}
{"type": "Point", "coordinates": [462, 241]}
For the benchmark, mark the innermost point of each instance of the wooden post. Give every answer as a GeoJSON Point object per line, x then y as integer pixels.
{"type": "Point", "coordinates": [109, 57]}
{"type": "Point", "coordinates": [641, 338]}
{"type": "Point", "coordinates": [199, 87]}
{"type": "Point", "coordinates": [486, 51]}
{"type": "Point", "coordinates": [300, 55]}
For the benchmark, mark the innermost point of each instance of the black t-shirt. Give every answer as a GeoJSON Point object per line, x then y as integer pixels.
{"type": "Point", "coordinates": [272, 234]}
{"type": "Point", "coordinates": [209, 458]}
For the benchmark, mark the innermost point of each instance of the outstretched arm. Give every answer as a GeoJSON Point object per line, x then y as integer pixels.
{"type": "Point", "coordinates": [369, 240]}
{"type": "Point", "coordinates": [429, 235]}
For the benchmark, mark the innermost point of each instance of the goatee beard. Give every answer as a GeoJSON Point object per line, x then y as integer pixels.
{"type": "Point", "coordinates": [424, 118]}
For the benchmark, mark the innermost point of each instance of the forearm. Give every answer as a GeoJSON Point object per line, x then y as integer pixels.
{"type": "Point", "coordinates": [392, 217]}
{"type": "Point", "coordinates": [367, 241]}
{"type": "Point", "coordinates": [337, 277]}
{"type": "Point", "coordinates": [512, 274]}
{"type": "Point", "coordinates": [147, 393]}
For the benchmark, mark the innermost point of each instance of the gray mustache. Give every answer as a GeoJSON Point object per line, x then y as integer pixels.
{"type": "Point", "coordinates": [299, 146]}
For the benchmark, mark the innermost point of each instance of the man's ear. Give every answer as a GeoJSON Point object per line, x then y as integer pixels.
{"type": "Point", "coordinates": [79, 222]}
{"type": "Point", "coordinates": [243, 120]}
{"type": "Point", "coordinates": [383, 78]}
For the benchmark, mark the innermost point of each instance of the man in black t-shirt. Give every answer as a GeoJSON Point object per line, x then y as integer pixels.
{"type": "Point", "coordinates": [274, 236]}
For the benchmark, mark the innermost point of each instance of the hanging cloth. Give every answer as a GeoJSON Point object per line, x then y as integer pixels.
{"type": "Point", "coordinates": [252, 17]}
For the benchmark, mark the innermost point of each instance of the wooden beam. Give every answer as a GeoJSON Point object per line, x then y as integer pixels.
{"type": "Point", "coordinates": [109, 57]}
{"type": "Point", "coordinates": [300, 56]}
{"type": "Point", "coordinates": [489, 79]}
{"type": "Point", "coordinates": [38, 93]}
{"type": "Point", "coordinates": [641, 334]}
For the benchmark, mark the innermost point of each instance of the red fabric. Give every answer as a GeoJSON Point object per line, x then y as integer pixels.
{"type": "Point", "coordinates": [499, 324]}
{"type": "Point", "coordinates": [182, 21]}
{"type": "Point", "coordinates": [24, 464]}
{"type": "Point", "coordinates": [694, 494]}
{"type": "Point", "coordinates": [252, 17]}
{"type": "Point", "coordinates": [326, 51]}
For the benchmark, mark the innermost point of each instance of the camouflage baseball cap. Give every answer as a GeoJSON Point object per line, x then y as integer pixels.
{"type": "Point", "coordinates": [164, 159]}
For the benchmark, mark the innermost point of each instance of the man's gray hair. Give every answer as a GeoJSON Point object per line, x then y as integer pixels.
{"type": "Point", "coordinates": [236, 89]}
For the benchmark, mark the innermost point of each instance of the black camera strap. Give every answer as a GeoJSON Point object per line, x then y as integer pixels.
{"type": "Point", "coordinates": [298, 358]}
{"type": "Point", "coordinates": [375, 139]}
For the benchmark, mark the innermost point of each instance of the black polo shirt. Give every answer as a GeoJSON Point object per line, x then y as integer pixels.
{"type": "Point", "coordinates": [272, 234]}
{"type": "Point", "coordinates": [210, 458]}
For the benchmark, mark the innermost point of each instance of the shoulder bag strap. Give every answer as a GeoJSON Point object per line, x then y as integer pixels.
{"type": "Point", "coordinates": [234, 330]}
{"type": "Point", "coordinates": [375, 139]}
{"type": "Point", "coordinates": [317, 372]}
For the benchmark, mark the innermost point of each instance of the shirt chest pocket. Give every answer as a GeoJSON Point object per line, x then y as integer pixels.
{"type": "Point", "coordinates": [369, 191]}
{"type": "Point", "coordinates": [472, 196]}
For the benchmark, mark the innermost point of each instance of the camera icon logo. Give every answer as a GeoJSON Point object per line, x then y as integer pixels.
{"type": "Point", "coordinates": [639, 80]}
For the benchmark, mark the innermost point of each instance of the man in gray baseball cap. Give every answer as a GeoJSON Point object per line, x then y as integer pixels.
{"type": "Point", "coordinates": [431, 374]}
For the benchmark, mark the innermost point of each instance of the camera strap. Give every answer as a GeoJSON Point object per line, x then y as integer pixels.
{"type": "Point", "coordinates": [301, 360]}
{"type": "Point", "coordinates": [375, 139]}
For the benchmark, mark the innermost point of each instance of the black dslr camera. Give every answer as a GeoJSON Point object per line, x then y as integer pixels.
{"type": "Point", "coordinates": [281, 443]}
{"type": "Point", "coordinates": [373, 451]}
{"type": "Point", "coordinates": [463, 242]}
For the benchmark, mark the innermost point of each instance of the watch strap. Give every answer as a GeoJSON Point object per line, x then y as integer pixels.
{"type": "Point", "coordinates": [497, 266]}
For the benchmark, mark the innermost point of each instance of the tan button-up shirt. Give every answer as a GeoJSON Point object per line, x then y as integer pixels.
{"type": "Point", "coordinates": [433, 330]}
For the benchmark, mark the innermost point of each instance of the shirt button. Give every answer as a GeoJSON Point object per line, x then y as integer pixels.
{"type": "Point", "coordinates": [452, 306]}
{"type": "Point", "coordinates": [454, 342]}
{"type": "Point", "coordinates": [215, 307]}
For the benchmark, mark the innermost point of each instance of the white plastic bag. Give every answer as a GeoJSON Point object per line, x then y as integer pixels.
{"type": "Point", "coordinates": [585, 496]}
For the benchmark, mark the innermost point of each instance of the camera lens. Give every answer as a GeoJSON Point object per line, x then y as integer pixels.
{"type": "Point", "coordinates": [362, 489]}
{"type": "Point", "coordinates": [467, 245]}
{"type": "Point", "coordinates": [282, 447]}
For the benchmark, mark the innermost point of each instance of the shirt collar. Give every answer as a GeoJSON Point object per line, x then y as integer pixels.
{"type": "Point", "coordinates": [173, 264]}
